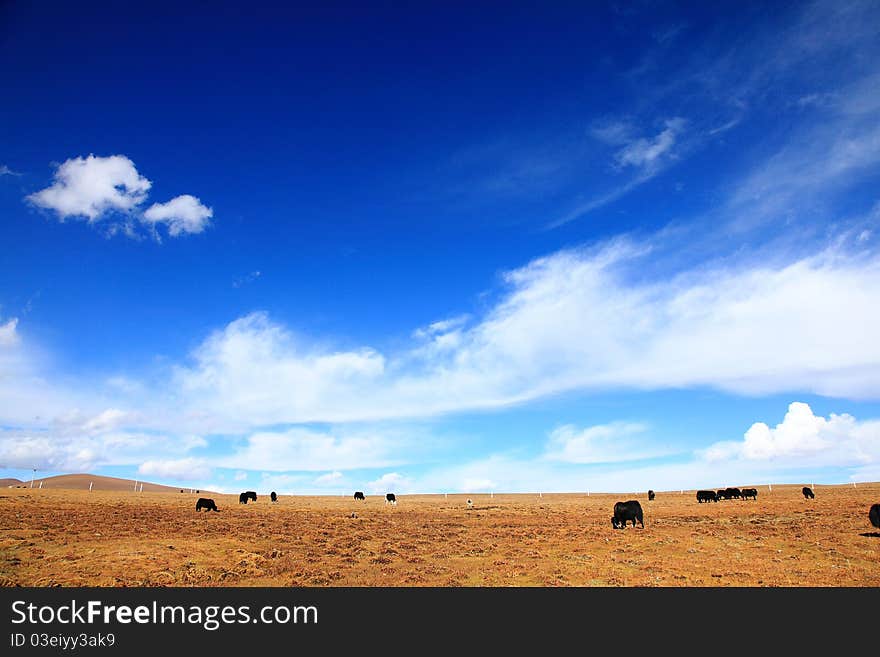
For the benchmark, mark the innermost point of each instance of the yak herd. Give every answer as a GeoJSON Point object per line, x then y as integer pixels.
{"type": "Point", "coordinates": [730, 494]}
{"type": "Point", "coordinates": [624, 512]}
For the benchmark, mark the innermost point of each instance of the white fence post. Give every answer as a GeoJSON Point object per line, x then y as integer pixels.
{"type": "Point", "coordinates": [41, 485]}
{"type": "Point", "coordinates": [90, 486]}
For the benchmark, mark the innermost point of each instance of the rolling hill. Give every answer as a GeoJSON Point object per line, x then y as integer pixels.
{"type": "Point", "coordinates": [99, 482]}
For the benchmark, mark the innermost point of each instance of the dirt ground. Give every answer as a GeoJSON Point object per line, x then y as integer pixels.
{"type": "Point", "coordinates": [76, 538]}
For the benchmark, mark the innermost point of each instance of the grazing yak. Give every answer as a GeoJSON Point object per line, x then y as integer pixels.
{"type": "Point", "coordinates": [273, 496]}
{"type": "Point", "coordinates": [247, 495]}
{"type": "Point", "coordinates": [721, 495]}
{"type": "Point", "coordinates": [650, 495]}
{"type": "Point", "coordinates": [733, 493]}
{"type": "Point", "coordinates": [359, 495]}
{"type": "Point", "coordinates": [389, 497]}
{"type": "Point", "coordinates": [625, 511]}
{"type": "Point", "coordinates": [750, 492]}
{"type": "Point", "coordinates": [207, 504]}
{"type": "Point", "coordinates": [808, 493]}
{"type": "Point", "coordinates": [706, 496]}
{"type": "Point", "coordinates": [874, 515]}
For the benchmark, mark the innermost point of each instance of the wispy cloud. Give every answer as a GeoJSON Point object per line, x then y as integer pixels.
{"type": "Point", "coordinates": [779, 68]}
{"type": "Point", "coordinates": [648, 153]}
{"type": "Point", "coordinates": [603, 443]}
{"type": "Point", "coordinates": [6, 171]}
{"type": "Point", "coordinates": [247, 278]}
{"type": "Point", "coordinates": [645, 157]}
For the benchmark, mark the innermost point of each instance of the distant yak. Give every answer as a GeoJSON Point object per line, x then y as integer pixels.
{"type": "Point", "coordinates": [358, 495]}
{"type": "Point", "coordinates": [808, 493]}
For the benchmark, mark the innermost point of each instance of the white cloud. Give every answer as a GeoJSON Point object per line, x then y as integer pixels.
{"type": "Point", "coordinates": [304, 449]}
{"type": "Point", "coordinates": [581, 319]}
{"type": "Point", "coordinates": [95, 187]}
{"type": "Point", "coordinates": [6, 171]}
{"type": "Point", "coordinates": [91, 186]}
{"type": "Point", "coordinates": [256, 370]}
{"type": "Point", "coordinates": [803, 439]}
{"type": "Point", "coordinates": [390, 482]}
{"type": "Point", "coordinates": [182, 214]}
{"type": "Point", "coordinates": [8, 333]}
{"type": "Point", "coordinates": [26, 451]}
{"type": "Point", "coordinates": [329, 479]}
{"type": "Point", "coordinates": [646, 153]}
{"type": "Point", "coordinates": [187, 469]}
{"type": "Point", "coordinates": [601, 443]}
{"type": "Point", "coordinates": [76, 452]}
{"type": "Point", "coordinates": [240, 476]}
{"type": "Point", "coordinates": [107, 420]}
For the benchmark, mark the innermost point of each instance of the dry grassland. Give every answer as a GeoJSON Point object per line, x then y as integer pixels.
{"type": "Point", "coordinates": [55, 537]}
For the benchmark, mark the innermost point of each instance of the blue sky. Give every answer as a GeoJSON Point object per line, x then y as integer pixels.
{"type": "Point", "coordinates": [495, 248]}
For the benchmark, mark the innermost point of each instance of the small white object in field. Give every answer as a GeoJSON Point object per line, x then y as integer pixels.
{"type": "Point", "coordinates": [470, 504]}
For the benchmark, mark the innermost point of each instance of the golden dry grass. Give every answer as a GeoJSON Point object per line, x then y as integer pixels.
{"type": "Point", "coordinates": [75, 538]}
